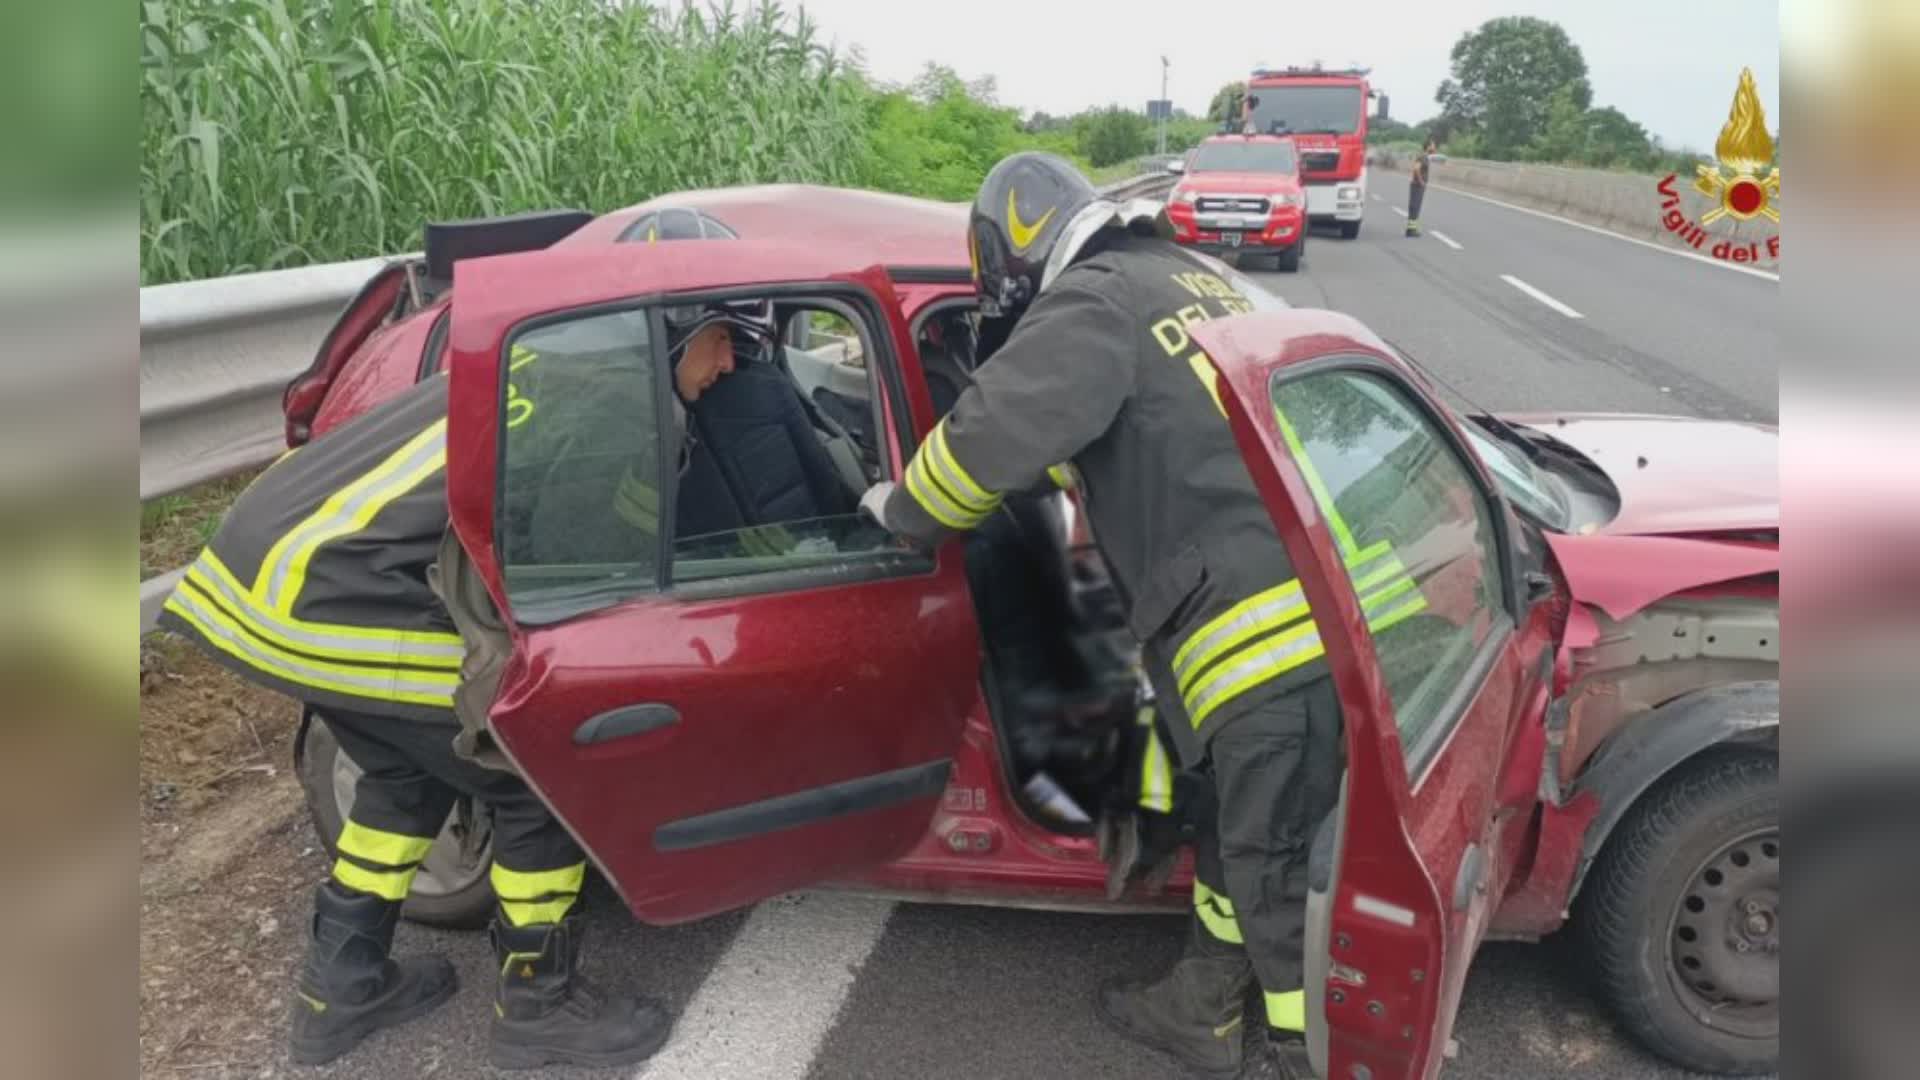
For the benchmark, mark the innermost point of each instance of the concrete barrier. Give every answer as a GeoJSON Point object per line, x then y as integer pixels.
{"type": "Point", "coordinates": [1624, 202]}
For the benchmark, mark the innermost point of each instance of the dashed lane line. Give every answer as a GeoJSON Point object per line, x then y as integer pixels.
{"type": "Point", "coordinates": [1541, 296]}
{"type": "Point", "coordinates": [765, 1008]}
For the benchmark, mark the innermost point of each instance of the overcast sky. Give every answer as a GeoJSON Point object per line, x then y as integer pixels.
{"type": "Point", "coordinates": [1672, 65]}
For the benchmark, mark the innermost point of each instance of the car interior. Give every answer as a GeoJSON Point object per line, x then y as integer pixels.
{"type": "Point", "coordinates": [1060, 670]}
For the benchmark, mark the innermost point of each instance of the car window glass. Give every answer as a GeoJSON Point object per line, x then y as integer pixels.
{"type": "Point", "coordinates": [1414, 531]}
{"type": "Point", "coordinates": [776, 458]}
{"type": "Point", "coordinates": [579, 501]}
{"type": "Point", "coordinates": [1248, 156]}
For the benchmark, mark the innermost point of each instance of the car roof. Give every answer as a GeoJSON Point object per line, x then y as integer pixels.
{"type": "Point", "coordinates": [866, 227]}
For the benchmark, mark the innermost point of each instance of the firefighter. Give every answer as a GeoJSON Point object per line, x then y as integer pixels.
{"type": "Point", "coordinates": [1417, 185]}
{"type": "Point", "coordinates": [1099, 371]}
{"type": "Point", "coordinates": [317, 585]}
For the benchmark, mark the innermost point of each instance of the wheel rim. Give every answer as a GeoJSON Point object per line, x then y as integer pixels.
{"type": "Point", "coordinates": [1723, 947]}
{"type": "Point", "coordinates": [461, 853]}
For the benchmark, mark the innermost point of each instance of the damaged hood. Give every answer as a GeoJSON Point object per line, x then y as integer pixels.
{"type": "Point", "coordinates": [1677, 475]}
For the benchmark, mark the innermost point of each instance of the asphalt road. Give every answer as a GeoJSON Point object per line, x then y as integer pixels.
{"type": "Point", "coordinates": [831, 987]}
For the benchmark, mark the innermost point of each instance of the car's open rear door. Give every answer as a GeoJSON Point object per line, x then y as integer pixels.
{"type": "Point", "coordinates": [1400, 543]}
{"type": "Point", "coordinates": [717, 718]}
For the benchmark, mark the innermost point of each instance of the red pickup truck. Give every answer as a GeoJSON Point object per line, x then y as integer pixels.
{"type": "Point", "coordinates": [1242, 194]}
{"type": "Point", "coordinates": [1583, 723]}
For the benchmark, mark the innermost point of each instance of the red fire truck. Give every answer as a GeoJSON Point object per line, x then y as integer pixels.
{"type": "Point", "coordinates": [1326, 114]}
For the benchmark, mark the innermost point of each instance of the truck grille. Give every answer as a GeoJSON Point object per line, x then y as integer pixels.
{"type": "Point", "coordinates": [1230, 204]}
{"type": "Point", "coordinates": [1319, 160]}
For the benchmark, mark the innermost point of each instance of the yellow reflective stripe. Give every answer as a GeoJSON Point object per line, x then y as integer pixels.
{"type": "Point", "coordinates": [1386, 570]}
{"type": "Point", "coordinates": [380, 846]}
{"type": "Point", "coordinates": [385, 884]}
{"type": "Point", "coordinates": [349, 510]}
{"type": "Point", "coordinates": [1278, 613]}
{"type": "Point", "coordinates": [950, 467]}
{"type": "Point", "coordinates": [1315, 484]}
{"type": "Point", "coordinates": [1381, 622]}
{"type": "Point", "coordinates": [636, 503]}
{"type": "Point", "coordinates": [1261, 662]}
{"type": "Point", "coordinates": [355, 644]}
{"type": "Point", "coordinates": [1062, 476]}
{"type": "Point", "coordinates": [534, 897]}
{"type": "Point", "coordinates": [536, 912]}
{"type": "Point", "coordinates": [533, 884]}
{"type": "Point", "coordinates": [1198, 638]}
{"type": "Point", "coordinates": [1381, 596]}
{"type": "Point", "coordinates": [1156, 776]}
{"type": "Point", "coordinates": [411, 687]}
{"type": "Point", "coordinates": [1216, 914]}
{"type": "Point", "coordinates": [933, 499]}
{"type": "Point", "coordinates": [1287, 1011]}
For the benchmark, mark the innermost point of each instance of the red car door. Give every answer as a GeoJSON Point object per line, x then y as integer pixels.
{"type": "Point", "coordinates": [1439, 681]}
{"type": "Point", "coordinates": [717, 718]}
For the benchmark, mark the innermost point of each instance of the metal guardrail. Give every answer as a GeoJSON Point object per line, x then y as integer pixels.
{"type": "Point", "coordinates": [216, 354]}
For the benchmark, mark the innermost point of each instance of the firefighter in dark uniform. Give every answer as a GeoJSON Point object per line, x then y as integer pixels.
{"type": "Point", "coordinates": [317, 585]}
{"type": "Point", "coordinates": [1099, 370]}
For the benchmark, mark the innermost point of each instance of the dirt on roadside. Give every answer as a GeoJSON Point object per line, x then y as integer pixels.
{"type": "Point", "coordinates": [228, 864]}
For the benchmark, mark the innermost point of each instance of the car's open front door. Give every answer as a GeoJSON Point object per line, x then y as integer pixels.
{"type": "Point", "coordinates": [716, 717]}
{"type": "Point", "coordinates": [1401, 545]}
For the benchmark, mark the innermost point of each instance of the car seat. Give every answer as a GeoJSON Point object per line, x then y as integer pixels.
{"type": "Point", "coordinates": [756, 459]}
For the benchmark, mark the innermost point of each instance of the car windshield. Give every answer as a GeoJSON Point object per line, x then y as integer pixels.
{"type": "Point", "coordinates": [1334, 109]}
{"type": "Point", "coordinates": [1247, 156]}
{"type": "Point", "coordinates": [1535, 492]}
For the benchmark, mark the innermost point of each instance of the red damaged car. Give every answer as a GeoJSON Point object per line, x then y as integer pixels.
{"type": "Point", "coordinates": [1581, 725]}
{"type": "Point", "coordinates": [1242, 194]}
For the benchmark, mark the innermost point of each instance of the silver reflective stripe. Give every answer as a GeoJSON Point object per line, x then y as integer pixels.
{"type": "Point", "coordinates": [1251, 667]}
{"type": "Point", "coordinates": [1277, 613]}
{"type": "Point", "coordinates": [318, 529]}
{"type": "Point", "coordinates": [267, 624]}
{"type": "Point", "coordinates": [958, 490]}
{"type": "Point", "coordinates": [386, 686]}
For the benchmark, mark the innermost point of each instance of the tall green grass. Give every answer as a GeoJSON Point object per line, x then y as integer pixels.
{"type": "Point", "coordinates": [283, 132]}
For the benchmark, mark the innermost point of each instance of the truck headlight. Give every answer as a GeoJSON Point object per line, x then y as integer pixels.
{"type": "Point", "coordinates": [1185, 195]}
{"type": "Point", "coordinates": [1294, 198]}
{"type": "Point", "coordinates": [1349, 194]}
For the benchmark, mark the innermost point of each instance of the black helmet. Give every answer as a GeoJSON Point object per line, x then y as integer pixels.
{"type": "Point", "coordinates": [751, 318]}
{"type": "Point", "coordinates": [1022, 209]}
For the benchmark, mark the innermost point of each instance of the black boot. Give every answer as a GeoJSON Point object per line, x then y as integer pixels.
{"type": "Point", "coordinates": [1193, 1012]}
{"type": "Point", "coordinates": [1282, 1055]}
{"type": "Point", "coordinates": [349, 988]}
{"type": "Point", "coordinates": [548, 1015]}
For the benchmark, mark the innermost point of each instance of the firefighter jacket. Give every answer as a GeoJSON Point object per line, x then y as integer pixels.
{"type": "Point", "coordinates": [1101, 372]}
{"type": "Point", "coordinates": [316, 583]}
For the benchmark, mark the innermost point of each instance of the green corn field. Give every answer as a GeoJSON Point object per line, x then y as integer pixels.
{"type": "Point", "coordinates": [284, 132]}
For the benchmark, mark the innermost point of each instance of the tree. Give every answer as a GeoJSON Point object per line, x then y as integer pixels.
{"type": "Point", "coordinates": [1111, 135]}
{"type": "Point", "coordinates": [1505, 76]}
{"type": "Point", "coordinates": [1597, 137]}
{"type": "Point", "coordinates": [1227, 103]}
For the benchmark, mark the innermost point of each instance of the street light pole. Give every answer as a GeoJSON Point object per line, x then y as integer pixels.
{"type": "Point", "coordinates": [1165, 106]}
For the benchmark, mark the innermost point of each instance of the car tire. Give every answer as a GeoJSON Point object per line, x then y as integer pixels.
{"type": "Point", "coordinates": [1681, 915]}
{"type": "Point", "coordinates": [1288, 261]}
{"type": "Point", "coordinates": [452, 888]}
{"type": "Point", "coordinates": [1349, 230]}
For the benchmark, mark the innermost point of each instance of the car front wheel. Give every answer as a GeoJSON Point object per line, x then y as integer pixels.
{"type": "Point", "coordinates": [451, 888]}
{"type": "Point", "coordinates": [1682, 915]}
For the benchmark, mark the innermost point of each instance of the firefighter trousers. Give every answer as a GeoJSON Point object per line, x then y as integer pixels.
{"type": "Point", "coordinates": [410, 779]}
{"type": "Point", "coordinates": [1416, 194]}
{"type": "Point", "coordinates": [1276, 773]}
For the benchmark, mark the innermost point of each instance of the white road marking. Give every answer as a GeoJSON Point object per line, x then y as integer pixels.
{"type": "Point", "coordinates": [1540, 296]}
{"type": "Point", "coordinates": [765, 1008]}
{"type": "Point", "coordinates": [1399, 211]}
{"type": "Point", "coordinates": [1445, 239]}
{"type": "Point", "coordinates": [1662, 248]}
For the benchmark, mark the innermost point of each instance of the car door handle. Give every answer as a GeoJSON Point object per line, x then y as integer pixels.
{"type": "Point", "coordinates": [624, 721]}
